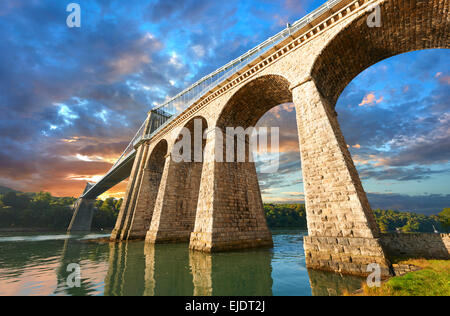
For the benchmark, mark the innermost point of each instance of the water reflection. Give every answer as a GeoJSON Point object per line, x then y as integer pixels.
{"type": "Point", "coordinates": [174, 270]}
{"type": "Point", "coordinates": [37, 265]}
{"type": "Point", "coordinates": [201, 267]}
{"type": "Point", "coordinates": [90, 257]}
{"type": "Point", "coordinates": [126, 266]}
{"type": "Point", "coordinates": [246, 273]}
{"type": "Point", "coordinates": [167, 270]}
{"type": "Point", "coordinates": [333, 284]}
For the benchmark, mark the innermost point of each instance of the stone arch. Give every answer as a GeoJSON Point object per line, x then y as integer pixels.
{"type": "Point", "coordinates": [195, 128]}
{"type": "Point", "coordinates": [405, 26]}
{"type": "Point", "coordinates": [230, 212]}
{"type": "Point", "coordinates": [247, 105]}
{"type": "Point", "coordinates": [253, 100]}
{"type": "Point", "coordinates": [176, 203]}
{"type": "Point", "coordinates": [336, 203]}
{"type": "Point", "coordinates": [157, 155]}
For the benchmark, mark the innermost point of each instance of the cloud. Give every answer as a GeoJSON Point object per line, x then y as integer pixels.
{"type": "Point", "coordinates": [295, 193]}
{"type": "Point", "coordinates": [67, 93]}
{"type": "Point", "coordinates": [370, 100]}
{"type": "Point", "coordinates": [429, 204]}
{"type": "Point", "coordinates": [400, 174]}
{"type": "Point", "coordinates": [283, 116]}
{"type": "Point", "coordinates": [444, 78]}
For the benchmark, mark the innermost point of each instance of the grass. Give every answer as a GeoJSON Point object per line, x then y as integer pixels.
{"type": "Point", "coordinates": [432, 280]}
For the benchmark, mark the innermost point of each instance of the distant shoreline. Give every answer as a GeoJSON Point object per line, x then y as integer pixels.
{"type": "Point", "coordinates": [42, 230]}
{"type": "Point", "coordinates": [26, 229]}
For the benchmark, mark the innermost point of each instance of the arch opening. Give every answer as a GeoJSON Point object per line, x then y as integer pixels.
{"type": "Point", "coordinates": [406, 27]}
{"type": "Point", "coordinates": [237, 192]}
{"type": "Point", "coordinates": [153, 174]}
{"type": "Point", "coordinates": [176, 205]}
{"type": "Point", "coordinates": [253, 100]}
{"type": "Point", "coordinates": [147, 192]}
{"type": "Point", "coordinates": [187, 191]}
{"type": "Point", "coordinates": [238, 120]}
{"type": "Point", "coordinates": [358, 46]}
{"type": "Point", "coordinates": [393, 116]}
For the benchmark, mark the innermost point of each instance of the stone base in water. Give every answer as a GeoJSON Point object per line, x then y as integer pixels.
{"type": "Point", "coordinates": [346, 255]}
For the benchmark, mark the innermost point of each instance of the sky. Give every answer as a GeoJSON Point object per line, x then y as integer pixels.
{"type": "Point", "coordinates": [72, 98]}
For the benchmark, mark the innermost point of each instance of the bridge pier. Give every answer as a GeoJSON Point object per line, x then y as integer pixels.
{"type": "Point", "coordinates": [121, 229]}
{"type": "Point", "coordinates": [342, 233]}
{"type": "Point", "coordinates": [145, 204]}
{"type": "Point", "coordinates": [176, 204]}
{"type": "Point", "coordinates": [174, 214]}
{"type": "Point", "coordinates": [230, 212]}
{"type": "Point", "coordinates": [82, 216]}
{"type": "Point", "coordinates": [131, 224]}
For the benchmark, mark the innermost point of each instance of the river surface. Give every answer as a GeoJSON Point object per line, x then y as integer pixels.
{"type": "Point", "coordinates": [38, 264]}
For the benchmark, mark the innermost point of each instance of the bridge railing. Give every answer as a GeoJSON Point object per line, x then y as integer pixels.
{"type": "Point", "coordinates": [189, 96]}
{"type": "Point", "coordinates": [193, 93]}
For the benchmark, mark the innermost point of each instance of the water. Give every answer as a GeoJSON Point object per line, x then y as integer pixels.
{"type": "Point", "coordinates": [36, 264]}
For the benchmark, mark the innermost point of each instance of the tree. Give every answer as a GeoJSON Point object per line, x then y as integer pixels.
{"type": "Point", "coordinates": [42, 200]}
{"type": "Point", "coordinates": [16, 200]}
{"type": "Point", "coordinates": [444, 218]}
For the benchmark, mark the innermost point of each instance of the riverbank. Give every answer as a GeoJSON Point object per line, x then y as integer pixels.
{"type": "Point", "coordinates": [433, 279]}
{"type": "Point", "coordinates": [42, 230]}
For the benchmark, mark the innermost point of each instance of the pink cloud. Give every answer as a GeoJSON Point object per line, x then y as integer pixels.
{"type": "Point", "coordinates": [370, 100]}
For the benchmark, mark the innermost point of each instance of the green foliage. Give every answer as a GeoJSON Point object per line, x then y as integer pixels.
{"type": "Point", "coordinates": [407, 222]}
{"type": "Point", "coordinates": [285, 215]}
{"type": "Point", "coordinates": [42, 210]}
{"type": "Point", "coordinates": [294, 215]}
{"type": "Point", "coordinates": [432, 280]}
{"type": "Point", "coordinates": [106, 215]}
{"type": "Point", "coordinates": [28, 210]}
{"type": "Point", "coordinates": [444, 218]}
{"type": "Point", "coordinates": [6, 189]}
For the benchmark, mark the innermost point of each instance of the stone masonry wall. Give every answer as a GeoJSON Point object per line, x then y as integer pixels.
{"type": "Point", "coordinates": [82, 217]}
{"type": "Point", "coordinates": [121, 228]}
{"type": "Point", "coordinates": [230, 212]}
{"type": "Point", "coordinates": [350, 255]}
{"type": "Point", "coordinates": [336, 203]}
{"type": "Point", "coordinates": [341, 226]}
{"type": "Point", "coordinates": [148, 192]}
{"type": "Point", "coordinates": [175, 209]}
{"type": "Point", "coordinates": [428, 246]}
{"type": "Point", "coordinates": [145, 204]}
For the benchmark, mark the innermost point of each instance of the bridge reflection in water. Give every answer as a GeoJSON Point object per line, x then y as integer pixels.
{"type": "Point", "coordinates": [37, 265]}
{"type": "Point", "coordinates": [158, 270]}
{"type": "Point", "coordinates": [135, 269]}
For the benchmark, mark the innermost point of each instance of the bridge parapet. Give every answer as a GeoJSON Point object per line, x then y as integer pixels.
{"type": "Point", "coordinates": [208, 87]}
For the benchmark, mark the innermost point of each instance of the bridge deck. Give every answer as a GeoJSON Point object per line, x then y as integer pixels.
{"type": "Point", "coordinates": [164, 114]}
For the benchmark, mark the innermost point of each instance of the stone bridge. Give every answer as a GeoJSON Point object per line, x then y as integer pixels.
{"type": "Point", "coordinates": [217, 206]}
